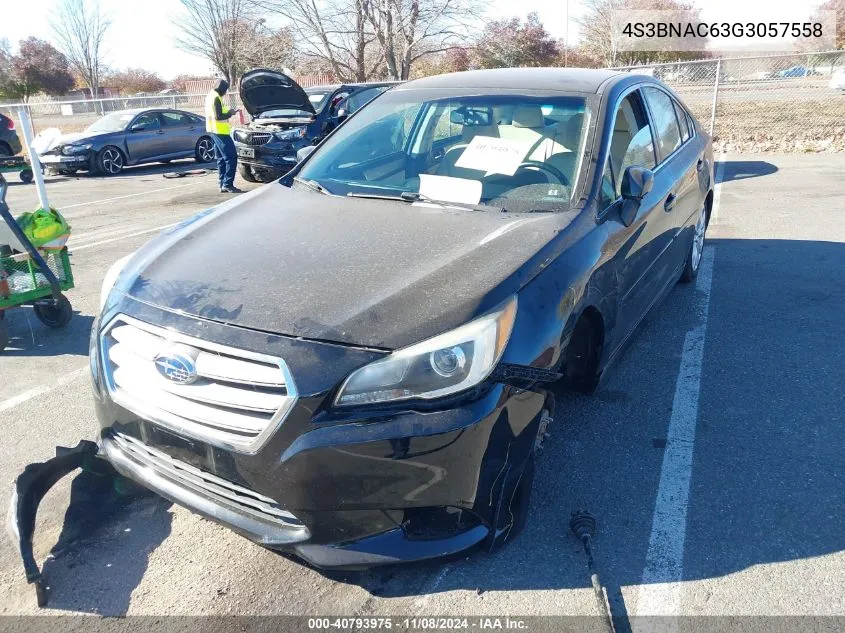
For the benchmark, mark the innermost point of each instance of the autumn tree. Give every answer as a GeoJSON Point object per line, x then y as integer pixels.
{"type": "Point", "coordinates": [80, 28]}
{"type": "Point", "coordinates": [38, 67]}
{"type": "Point", "coordinates": [511, 42]}
{"type": "Point", "coordinates": [179, 82]}
{"type": "Point", "coordinates": [134, 80]}
{"type": "Point", "coordinates": [838, 7]}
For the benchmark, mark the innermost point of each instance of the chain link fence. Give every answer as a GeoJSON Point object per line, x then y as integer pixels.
{"type": "Point", "coordinates": [776, 103]}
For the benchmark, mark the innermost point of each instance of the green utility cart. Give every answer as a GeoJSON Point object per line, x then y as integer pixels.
{"type": "Point", "coordinates": [31, 276]}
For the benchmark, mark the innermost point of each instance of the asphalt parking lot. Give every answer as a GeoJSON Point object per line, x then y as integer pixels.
{"type": "Point", "coordinates": [713, 454]}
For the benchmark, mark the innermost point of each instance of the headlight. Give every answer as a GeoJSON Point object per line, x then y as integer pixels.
{"type": "Point", "coordinates": [111, 278]}
{"type": "Point", "coordinates": [437, 367]}
{"type": "Point", "coordinates": [68, 150]}
{"type": "Point", "coordinates": [290, 135]}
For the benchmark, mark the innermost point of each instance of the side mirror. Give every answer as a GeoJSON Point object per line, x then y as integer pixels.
{"type": "Point", "coordinates": [303, 153]}
{"type": "Point", "coordinates": [138, 127]}
{"type": "Point", "coordinates": [636, 183]}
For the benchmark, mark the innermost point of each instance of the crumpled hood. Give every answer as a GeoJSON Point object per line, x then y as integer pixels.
{"type": "Point", "coordinates": [372, 273]}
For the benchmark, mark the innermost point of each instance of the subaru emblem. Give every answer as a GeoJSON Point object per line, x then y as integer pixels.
{"type": "Point", "coordinates": [178, 364]}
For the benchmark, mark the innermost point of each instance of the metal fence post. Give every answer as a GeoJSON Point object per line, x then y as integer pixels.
{"type": "Point", "coordinates": [715, 95]}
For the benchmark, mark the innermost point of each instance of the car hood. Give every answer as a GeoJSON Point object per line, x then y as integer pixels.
{"type": "Point", "coordinates": [47, 143]}
{"type": "Point", "coordinates": [370, 273]}
{"type": "Point", "coordinates": [262, 90]}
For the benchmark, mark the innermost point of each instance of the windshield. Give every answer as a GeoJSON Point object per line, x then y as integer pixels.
{"type": "Point", "coordinates": [116, 122]}
{"type": "Point", "coordinates": [517, 152]}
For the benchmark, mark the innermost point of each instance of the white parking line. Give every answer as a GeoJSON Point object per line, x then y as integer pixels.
{"type": "Point", "coordinates": [155, 229]}
{"type": "Point", "coordinates": [129, 195]}
{"type": "Point", "coordinates": [659, 593]}
{"type": "Point", "coordinates": [29, 394]}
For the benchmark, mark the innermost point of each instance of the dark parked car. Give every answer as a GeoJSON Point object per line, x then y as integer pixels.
{"type": "Point", "coordinates": [357, 364]}
{"type": "Point", "coordinates": [131, 137]}
{"type": "Point", "coordinates": [286, 118]}
{"type": "Point", "coordinates": [10, 144]}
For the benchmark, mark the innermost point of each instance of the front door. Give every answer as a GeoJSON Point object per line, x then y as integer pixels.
{"type": "Point", "coordinates": [145, 138]}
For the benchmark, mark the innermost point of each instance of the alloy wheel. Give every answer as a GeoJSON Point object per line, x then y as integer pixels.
{"type": "Point", "coordinates": [698, 240]}
{"type": "Point", "coordinates": [205, 150]}
{"type": "Point", "coordinates": [112, 161]}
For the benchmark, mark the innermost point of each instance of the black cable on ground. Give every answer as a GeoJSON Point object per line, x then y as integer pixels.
{"type": "Point", "coordinates": [583, 525]}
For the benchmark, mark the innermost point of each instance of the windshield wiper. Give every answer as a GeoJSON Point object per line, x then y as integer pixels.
{"type": "Point", "coordinates": [415, 196]}
{"type": "Point", "coordinates": [312, 184]}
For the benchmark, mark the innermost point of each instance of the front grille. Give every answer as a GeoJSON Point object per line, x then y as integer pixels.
{"type": "Point", "coordinates": [233, 398]}
{"type": "Point", "coordinates": [220, 490]}
{"type": "Point", "coordinates": [252, 138]}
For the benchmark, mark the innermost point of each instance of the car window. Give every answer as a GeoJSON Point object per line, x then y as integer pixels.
{"type": "Point", "coordinates": [690, 124]}
{"type": "Point", "coordinates": [149, 121]}
{"type": "Point", "coordinates": [665, 122]}
{"type": "Point", "coordinates": [607, 193]}
{"type": "Point", "coordinates": [682, 120]}
{"type": "Point", "coordinates": [362, 98]}
{"type": "Point", "coordinates": [173, 119]}
{"type": "Point", "coordinates": [631, 143]}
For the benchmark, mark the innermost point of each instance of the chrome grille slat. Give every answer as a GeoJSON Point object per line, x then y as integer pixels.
{"type": "Point", "coordinates": [204, 480]}
{"type": "Point", "coordinates": [237, 400]}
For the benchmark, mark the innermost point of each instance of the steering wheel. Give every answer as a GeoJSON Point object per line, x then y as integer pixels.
{"type": "Point", "coordinates": [546, 168]}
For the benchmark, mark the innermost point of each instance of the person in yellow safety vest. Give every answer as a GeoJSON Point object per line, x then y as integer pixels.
{"type": "Point", "coordinates": [217, 125]}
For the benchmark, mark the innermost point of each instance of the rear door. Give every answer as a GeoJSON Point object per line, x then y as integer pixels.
{"type": "Point", "coordinates": [676, 174]}
{"type": "Point", "coordinates": [145, 138]}
{"type": "Point", "coordinates": [182, 132]}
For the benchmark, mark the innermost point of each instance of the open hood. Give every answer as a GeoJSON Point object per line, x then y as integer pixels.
{"type": "Point", "coordinates": [263, 90]}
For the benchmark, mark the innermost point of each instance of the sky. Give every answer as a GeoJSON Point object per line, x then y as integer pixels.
{"type": "Point", "coordinates": [142, 34]}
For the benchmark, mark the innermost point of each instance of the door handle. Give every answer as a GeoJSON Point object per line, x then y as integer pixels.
{"type": "Point", "coordinates": [160, 132]}
{"type": "Point", "coordinates": [670, 202]}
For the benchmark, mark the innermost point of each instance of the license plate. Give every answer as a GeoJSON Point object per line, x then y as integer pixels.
{"type": "Point", "coordinates": [44, 160]}
{"type": "Point", "coordinates": [246, 152]}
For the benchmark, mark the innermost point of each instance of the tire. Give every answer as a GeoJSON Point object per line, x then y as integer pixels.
{"type": "Point", "coordinates": [693, 262]}
{"type": "Point", "coordinates": [26, 176]}
{"type": "Point", "coordinates": [204, 150]}
{"type": "Point", "coordinates": [55, 316]}
{"type": "Point", "coordinates": [5, 150]}
{"type": "Point", "coordinates": [110, 161]}
{"type": "Point", "coordinates": [246, 173]}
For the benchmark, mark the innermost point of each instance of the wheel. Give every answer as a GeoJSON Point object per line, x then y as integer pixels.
{"type": "Point", "coordinates": [110, 161]}
{"type": "Point", "coordinates": [246, 173]}
{"type": "Point", "coordinates": [204, 151]}
{"type": "Point", "coordinates": [693, 262]}
{"type": "Point", "coordinates": [4, 333]}
{"type": "Point", "coordinates": [26, 176]}
{"type": "Point", "coordinates": [54, 315]}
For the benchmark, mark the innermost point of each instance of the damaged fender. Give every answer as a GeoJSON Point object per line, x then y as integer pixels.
{"type": "Point", "coordinates": [30, 488]}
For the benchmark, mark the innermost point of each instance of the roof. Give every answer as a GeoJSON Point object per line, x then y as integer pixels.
{"type": "Point", "coordinates": [150, 109]}
{"type": "Point", "coordinates": [564, 79]}
{"type": "Point", "coordinates": [362, 84]}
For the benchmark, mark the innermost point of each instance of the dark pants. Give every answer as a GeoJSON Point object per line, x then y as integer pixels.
{"type": "Point", "coordinates": [227, 158]}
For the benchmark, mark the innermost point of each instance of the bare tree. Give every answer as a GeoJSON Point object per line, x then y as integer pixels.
{"type": "Point", "coordinates": [408, 30]}
{"type": "Point", "coordinates": [80, 29]}
{"type": "Point", "coordinates": [213, 29]}
{"type": "Point", "coordinates": [333, 33]}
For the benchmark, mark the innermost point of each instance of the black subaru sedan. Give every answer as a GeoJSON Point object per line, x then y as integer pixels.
{"type": "Point", "coordinates": [287, 117]}
{"type": "Point", "coordinates": [357, 363]}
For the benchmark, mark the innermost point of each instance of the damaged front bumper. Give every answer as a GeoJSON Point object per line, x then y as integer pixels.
{"type": "Point", "coordinates": [30, 488]}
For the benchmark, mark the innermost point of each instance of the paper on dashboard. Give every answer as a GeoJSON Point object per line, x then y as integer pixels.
{"type": "Point", "coordinates": [494, 155]}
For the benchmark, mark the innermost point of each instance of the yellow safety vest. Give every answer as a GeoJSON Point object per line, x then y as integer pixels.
{"type": "Point", "coordinates": [211, 123]}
